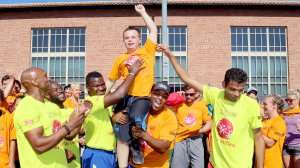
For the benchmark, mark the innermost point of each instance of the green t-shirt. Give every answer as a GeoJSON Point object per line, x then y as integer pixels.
{"type": "Point", "coordinates": [97, 125]}
{"type": "Point", "coordinates": [31, 114]}
{"type": "Point", "coordinates": [73, 145]}
{"type": "Point", "coordinates": [233, 129]}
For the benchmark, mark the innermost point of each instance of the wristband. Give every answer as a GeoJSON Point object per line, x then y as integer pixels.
{"type": "Point", "coordinates": [131, 73]}
{"type": "Point", "coordinates": [68, 129]}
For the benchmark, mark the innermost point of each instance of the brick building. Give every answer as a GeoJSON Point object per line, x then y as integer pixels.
{"type": "Point", "coordinates": [208, 37]}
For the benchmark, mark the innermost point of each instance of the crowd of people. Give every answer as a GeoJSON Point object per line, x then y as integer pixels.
{"type": "Point", "coordinates": [143, 124]}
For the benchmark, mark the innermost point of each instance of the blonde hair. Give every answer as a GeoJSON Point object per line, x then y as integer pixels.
{"type": "Point", "coordinates": [278, 101]}
{"type": "Point", "coordinates": [295, 92]}
{"type": "Point", "coordinates": [75, 85]}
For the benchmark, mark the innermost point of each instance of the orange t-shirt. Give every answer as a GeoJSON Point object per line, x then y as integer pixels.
{"type": "Point", "coordinates": [143, 82]}
{"type": "Point", "coordinates": [70, 103]}
{"type": "Point", "coordinates": [7, 133]}
{"type": "Point", "coordinates": [190, 119]}
{"type": "Point", "coordinates": [9, 103]}
{"type": "Point", "coordinates": [161, 126]}
{"type": "Point", "coordinates": [276, 129]}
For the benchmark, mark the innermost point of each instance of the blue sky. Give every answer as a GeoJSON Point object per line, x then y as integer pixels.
{"type": "Point", "coordinates": [47, 1]}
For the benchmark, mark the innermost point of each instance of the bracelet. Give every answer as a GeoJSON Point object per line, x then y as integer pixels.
{"type": "Point", "coordinates": [131, 73]}
{"type": "Point", "coordinates": [68, 129]}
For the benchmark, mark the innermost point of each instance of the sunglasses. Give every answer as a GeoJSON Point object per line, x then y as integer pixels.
{"type": "Point", "coordinates": [189, 94]}
{"type": "Point", "coordinates": [290, 100]}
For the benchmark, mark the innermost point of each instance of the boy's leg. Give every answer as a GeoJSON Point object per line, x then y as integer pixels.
{"type": "Point", "coordinates": [122, 133]}
{"type": "Point", "coordinates": [138, 110]}
{"type": "Point", "coordinates": [122, 153]}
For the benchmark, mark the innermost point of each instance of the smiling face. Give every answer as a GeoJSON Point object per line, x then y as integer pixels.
{"type": "Point", "coordinates": [233, 90]}
{"type": "Point", "coordinates": [131, 40]}
{"type": "Point", "coordinates": [292, 101]}
{"type": "Point", "coordinates": [268, 106]}
{"type": "Point", "coordinates": [76, 91]}
{"type": "Point", "coordinates": [158, 100]}
{"type": "Point", "coordinates": [56, 95]}
{"type": "Point", "coordinates": [96, 86]}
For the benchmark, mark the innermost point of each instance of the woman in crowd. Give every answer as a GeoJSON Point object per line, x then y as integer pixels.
{"type": "Point", "coordinates": [274, 131]}
{"type": "Point", "coordinates": [73, 101]}
{"type": "Point", "coordinates": [291, 149]}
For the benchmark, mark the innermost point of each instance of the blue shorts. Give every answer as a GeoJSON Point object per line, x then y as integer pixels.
{"type": "Point", "coordinates": [97, 158]}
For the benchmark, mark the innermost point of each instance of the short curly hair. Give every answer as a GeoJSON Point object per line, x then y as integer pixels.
{"type": "Point", "coordinates": [235, 74]}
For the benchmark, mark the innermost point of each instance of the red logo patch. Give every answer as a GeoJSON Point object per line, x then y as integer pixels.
{"type": "Point", "coordinates": [56, 125]}
{"type": "Point", "coordinates": [225, 128]}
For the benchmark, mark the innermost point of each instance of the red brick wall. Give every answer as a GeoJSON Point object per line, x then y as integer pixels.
{"type": "Point", "coordinates": [209, 53]}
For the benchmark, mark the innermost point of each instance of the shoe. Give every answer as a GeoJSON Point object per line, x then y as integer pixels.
{"type": "Point", "coordinates": [137, 155]}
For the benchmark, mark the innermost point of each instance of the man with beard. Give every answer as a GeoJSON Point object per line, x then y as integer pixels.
{"type": "Point", "coordinates": [100, 139]}
{"type": "Point", "coordinates": [56, 98]}
{"type": "Point", "coordinates": [236, 118]}
{"type": "Point", "coordinates": [161, 129]}
{"type": "Point", "coordinates": [34, 126]}
{"type": "Point", "coordinates": [193, 121]}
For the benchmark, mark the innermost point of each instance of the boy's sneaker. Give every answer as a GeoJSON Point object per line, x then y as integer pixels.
{"type": "Point", "coordinates": [137, 155]}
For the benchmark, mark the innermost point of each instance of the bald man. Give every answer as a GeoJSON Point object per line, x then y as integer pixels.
{"type": "Point", "coordinates": [39, 130]}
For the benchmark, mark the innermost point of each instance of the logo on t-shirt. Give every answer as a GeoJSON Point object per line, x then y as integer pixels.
{"type": "Point", "coordinates": [224, 128]}
{"type": "Point", "coordinates": [1, 141]}
{"type": "Point", "coordinates": [190, 120]}
{"type": "Point", "coordinates": [56, 125]}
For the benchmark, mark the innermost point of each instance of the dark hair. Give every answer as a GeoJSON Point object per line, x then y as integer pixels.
{"type": "Point", "coordinates": [1, 95]}
{"type": "Point", "coordinates": [18, 82]}
{"type": "Point", "coordinates": [187, 87]}
{"type": "Point", "coordinates": [236, 75]}
{"type": "Point", "coordinates": [4, 78]}
{"type": "Point", "coordinates": [132, 28]}
{"type": "Point", "coordinates": [90, 75]}
{"type": "Point", "coordinates": [68, 86]}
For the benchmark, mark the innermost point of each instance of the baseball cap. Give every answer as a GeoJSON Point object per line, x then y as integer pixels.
{"type": "Point", "coordinates": [161, 86]}
{"type": "Point", "coordinates": [174, 99]}
{"type": "Point", "coordinates": [252, 89]}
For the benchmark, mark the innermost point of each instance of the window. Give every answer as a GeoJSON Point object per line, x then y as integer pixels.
{"type": "Point", "coordinates": [178, 45]}
{"type": "Point", "coordinates": [60, 52]}
{"type": "Point", "coordinates": [261, 52]}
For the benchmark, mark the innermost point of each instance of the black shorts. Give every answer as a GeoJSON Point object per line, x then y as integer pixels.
{"type": "Point", "coordinates": [137, 109]}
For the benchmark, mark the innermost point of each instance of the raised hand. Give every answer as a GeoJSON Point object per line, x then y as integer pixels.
{"type": "Point", "coordinates": [164, 49]}
{"type": "Point", "coordinates": [140, 9]}
{"type": "Point", "coordinates": [136, 67]}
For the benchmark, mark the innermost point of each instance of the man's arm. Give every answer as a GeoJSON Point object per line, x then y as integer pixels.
{"type": "Point", "coordinates": [259, 148]}
{"type": "Point", "coordinates": [184, 76]}
{"type": "Point", "coordinates": [159, 145]}
{"type": "Point", "coordinates": [149, 22]}
{"type": "Point", "coordinates": [41, 143]}
{"type": "Point", "coordinates": [206, 127]}
{"type": "Point", "coordinates": [121, 91]}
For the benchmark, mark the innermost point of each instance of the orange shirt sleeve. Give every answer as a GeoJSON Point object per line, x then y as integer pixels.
{"type": "Point", "coordinates": [205, 112]}
{"type": "Point", "coordinates": [277, 130]}
{"type": "Point", "coordinates": [150, 47]}
{"type": "Point", "coordinates": [115, 73]}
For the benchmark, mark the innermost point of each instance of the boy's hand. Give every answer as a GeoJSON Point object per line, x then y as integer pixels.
{"type": "Point", "coordinates": [140, 9]}
{"type": "Point", "coordinates": [138, 132]}
{"type": "Point", "coordinates": [119, 117]}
